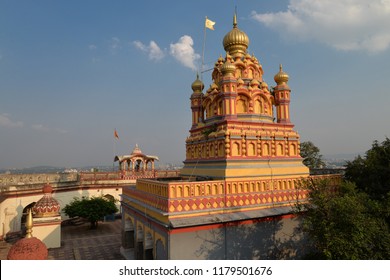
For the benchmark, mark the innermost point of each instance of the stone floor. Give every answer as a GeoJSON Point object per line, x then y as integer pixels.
{"type": "Point", "coordinates": [81, 243]}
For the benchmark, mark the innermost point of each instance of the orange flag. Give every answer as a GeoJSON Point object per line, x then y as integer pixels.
{"type": "Point", "coordinates": [116, 134]}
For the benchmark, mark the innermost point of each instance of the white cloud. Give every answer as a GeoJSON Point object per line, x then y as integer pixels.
{"type": "Point", "coordinates": [39, 127]}
{"type": "Point", "coordinates": [92, 47]}
{"type": "Point", "coordinates": [115, 45]}
{"type": "Point", "coordinates": [61, 131]}
{"type": "Point", "coordinates": [153, 50]}
{"type": "Point", "coordinates": [343, 24]}
{"type": "Point", "coordinates": [184, 52]}
{"type": "Point", "coordinates": [7, 122]}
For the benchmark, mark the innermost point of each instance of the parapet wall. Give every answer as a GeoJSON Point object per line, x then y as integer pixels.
{"type": "Point", "coordinates": [178, 197]}
{"type": "Point", "coordinates": [30, 179]}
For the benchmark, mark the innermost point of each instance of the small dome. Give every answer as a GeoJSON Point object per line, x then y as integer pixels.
{"type": "Point", "coordinates": [213, 86]}
{"type": "Point", "coordinates": [255, 83]}
{"type": "Point", "coordinates": [248, 57]}
{"type": "Point", "coordinates": [28, 249]}
{"type": "Point", "coordinates": [197, 85]}
{"type": "Point", "coordinates": [264, 85]}
{"type": "Point", "coordinates": [281, 77]}
{"type": "Point", "coordinates": [47, 206]}
{"type": "Point", "coordinates": [136, 150]}
{"type": "Point", "coordinates": [236, 41]}
{"type": "Point", "coordinates": [240, 82]}
{"type": "Point", "coordinates": [228, 68]}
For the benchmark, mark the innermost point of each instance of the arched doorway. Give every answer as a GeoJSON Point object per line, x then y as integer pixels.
{"type": "Point", "coordinates": [139, 249]}
{"type": "Point", "coordinates": [161, 253]}
{"type": "Point", "coordinates": [148, 246]}
{"type": "Point", "coordinates": [128, 234]}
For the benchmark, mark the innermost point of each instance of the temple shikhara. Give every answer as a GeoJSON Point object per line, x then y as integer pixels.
{"type": "Point", "coordinates": [241, 173]}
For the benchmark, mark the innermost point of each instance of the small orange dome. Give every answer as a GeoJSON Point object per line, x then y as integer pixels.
{"type": "Point", "coordinates": [28, 249]}
{"type": "Point", "coordinates": [47, 206]}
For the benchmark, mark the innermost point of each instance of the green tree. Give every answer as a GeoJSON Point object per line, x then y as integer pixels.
{"type": "Point", "coordinates": [371, 173]}
{"type": "Point", "coordinates": [344, 223]}
{"type": "Point", "coordinates": [311, 155]}
{"type": "Point", "coordinates": [93, 209]}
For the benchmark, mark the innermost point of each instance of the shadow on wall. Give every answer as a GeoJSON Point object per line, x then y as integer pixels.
{"type": "Point", "coordinates": [273, 239]}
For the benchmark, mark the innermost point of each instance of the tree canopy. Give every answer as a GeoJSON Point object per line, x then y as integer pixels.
{"type": "Point", "coordinates": [93, 209]}
{"type": "Point", "coordinates": [371, 173]}
{"type": "Point", "coordinates": [344, 223]}
{"type": "Point", "coordinates": [353, 220]}
{"type": "Point", "coordinates": [311, 155]}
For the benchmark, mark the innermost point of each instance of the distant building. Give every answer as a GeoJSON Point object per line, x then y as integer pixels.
{"type": "Point", "coordinates": [239, 181]}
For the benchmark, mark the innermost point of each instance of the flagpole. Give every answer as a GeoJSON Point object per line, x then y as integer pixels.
{"type": "Point", "coordinates": [203, 48]}
{"type": "Point", "coordinates": [114, 150]}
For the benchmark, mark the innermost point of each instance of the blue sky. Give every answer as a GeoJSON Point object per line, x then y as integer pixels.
{"type": "Point", "coordinates": [73, 71]}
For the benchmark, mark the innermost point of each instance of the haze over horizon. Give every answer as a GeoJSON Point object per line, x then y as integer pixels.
{"type": "Point", "coordinates": [71, 72]}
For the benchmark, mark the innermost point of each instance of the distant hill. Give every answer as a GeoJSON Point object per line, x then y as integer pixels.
{"type": "Point", "coordinates": [52, 169]}
{"type": "Point", "coordinates": [338, 160]}
{"type": "Point", "coordinates": [341, 156]}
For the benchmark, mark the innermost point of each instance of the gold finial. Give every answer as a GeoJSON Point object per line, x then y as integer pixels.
{"type": "Point", "coordinates": [280, 67]}
{"type": "Point", "coordinates": [29, 224]}
{"type": "Point", "coordinates": [235, 20]}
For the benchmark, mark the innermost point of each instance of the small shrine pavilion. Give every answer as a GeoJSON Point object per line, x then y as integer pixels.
{"type": "Point", "coordinates": [136, 161]}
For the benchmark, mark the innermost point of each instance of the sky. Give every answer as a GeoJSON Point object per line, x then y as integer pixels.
{"type": "Point", "coordinates": [71, 72]}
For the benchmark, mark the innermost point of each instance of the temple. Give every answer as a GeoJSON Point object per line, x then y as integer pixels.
{"type": "Point", "coordinates": [236, 191]}
{"type": "Point", "coordinates": [241, 128]}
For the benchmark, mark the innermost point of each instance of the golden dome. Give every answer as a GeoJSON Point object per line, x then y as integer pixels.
{"type": "Point", "coordinates": [236, 41]}
{"type": "Point", "coordinates": [281, 77]}
{"type": "Point", "coordinates": [228, 68]}
{"type": "Point", "coordinates": [197, 85]}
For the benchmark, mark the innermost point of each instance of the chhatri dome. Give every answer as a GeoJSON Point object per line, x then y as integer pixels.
{"type": "Point", "coordinates": [47, 206]}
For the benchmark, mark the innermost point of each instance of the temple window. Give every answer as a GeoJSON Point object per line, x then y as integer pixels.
{"type": "Point", "coordinates": [241, 106]}
{"type": "Point", "coordinates": [251, 150]}
{"type": "Point", "coordinates": [266, 149]}
{"type": "Point", "coordinates": [236, 149]}
{"type": "Point", "coordinates": [280, 150]}
{"type": "Point", "coordinates": [221, 150]}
